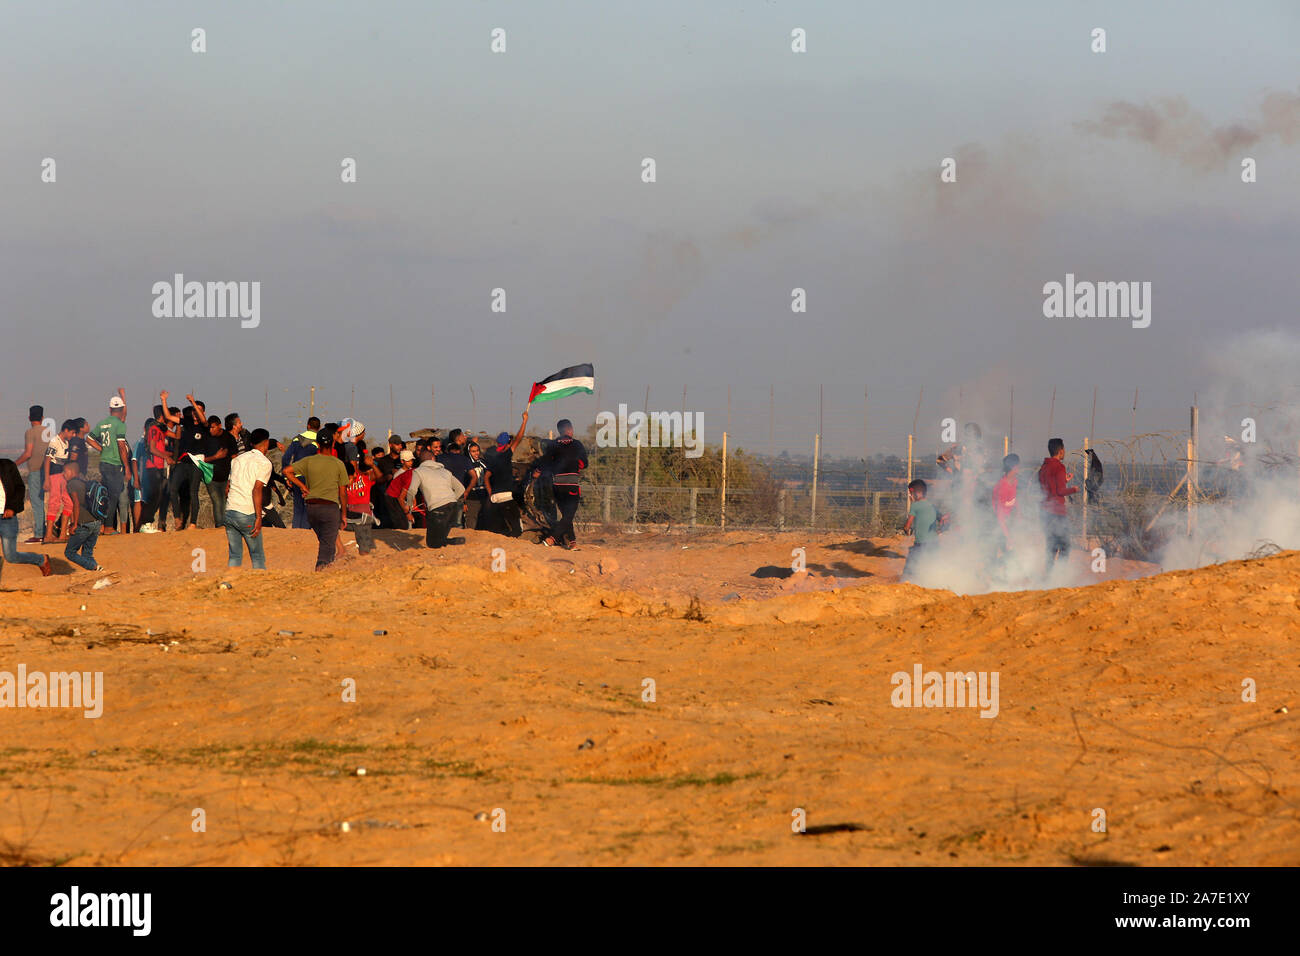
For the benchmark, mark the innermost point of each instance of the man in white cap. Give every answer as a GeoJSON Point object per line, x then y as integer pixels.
{"type": "Point", "coordinates": [114, 456]}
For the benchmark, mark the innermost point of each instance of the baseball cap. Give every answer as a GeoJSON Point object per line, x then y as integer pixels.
{"type": "Point", "coordinates": [504, 438]}
{"type": "Point", "coordinates": [408, 455]}
{"type": "Point", "coordinates": [116, 402]}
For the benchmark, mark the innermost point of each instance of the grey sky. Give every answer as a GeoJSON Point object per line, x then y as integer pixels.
{"type": "Point", "coordinates": [521, 170]}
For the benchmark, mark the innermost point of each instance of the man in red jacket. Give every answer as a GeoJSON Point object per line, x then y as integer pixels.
{"type": "Point", "coordinates": [1055, 482]}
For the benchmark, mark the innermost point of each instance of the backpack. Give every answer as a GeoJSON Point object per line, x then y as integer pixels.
{"type": "Point", "coordinates": [96, 503]}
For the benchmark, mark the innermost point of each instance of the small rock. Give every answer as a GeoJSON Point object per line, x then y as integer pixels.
{"type": "Point", "coordinates": [587, 744]}
{"type": "Point", "coordinates": [102, 583]}
{"type": "Point", "coordinates": [94, 753]}
{"type": "Point", "coordinates": [360, 771]}
{"type": "Point", "coordinates": [608, 565]}
{"type": "Point", "coordinates": [379, 633]}
{"type": "Point", "coordinates": [733, 596]}
{"type": "Point", "coordinates": [345, 826]}
{"type": "Point", "coordinates": [226, 586]}
{"type": "Point", "coordinates": [83, 607]}
{"type": "Point", "coordinates": [480, 816]}
{"type": "Point", "coordinates": [1281, 710]}
{"type": "Point", "coordinates": [285, 633]}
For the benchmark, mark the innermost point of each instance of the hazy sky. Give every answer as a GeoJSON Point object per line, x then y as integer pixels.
{"type": "Point", "coordinates": [775, 170]}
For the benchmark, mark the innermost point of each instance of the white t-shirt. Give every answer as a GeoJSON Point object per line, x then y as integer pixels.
{"type": "Point", "coordinates": [245, 471]}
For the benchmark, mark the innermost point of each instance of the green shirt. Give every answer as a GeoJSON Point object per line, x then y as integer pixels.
{"type": "Point", "coordinates": [322, 474]}
{"type": "Point", "coordinates": [924, 519]}
{"type": "Point", "coordinates": [107, 433]}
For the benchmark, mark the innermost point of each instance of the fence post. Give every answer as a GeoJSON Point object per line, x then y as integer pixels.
{"type": "Point", "coordinates": [1193, 470]}
{"type": "Point", "coordinates": [1086, 461]}
{"type": "Point", "coordinates": [695, 496]}
{"type": "Point", "coordinates": [780, 510]}
{"type": "Point", "coordinates": [723, 517]}
{"type": "Point", "coordinates": [636, 481]}
{"type": "Point", "coordinates": [875, 507]}
{"type": "Point", "coordinates": [909, 459]}
{"type": "Point", "coordinates": [609, 492]}
{"type": "Point", "coordinates": [817, 455]}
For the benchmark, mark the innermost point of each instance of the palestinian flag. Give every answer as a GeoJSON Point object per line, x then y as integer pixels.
{"type": "Point", "coordinates": [567, 381]}
{"type": "Point", "coordinates": [204, 468]}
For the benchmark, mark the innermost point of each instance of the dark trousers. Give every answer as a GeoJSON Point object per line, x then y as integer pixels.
{"type": "Point", "coordinates": [476, 514]}
{"type": "Point", "coordinates": [439, 524]}
{"type": "Point", "coordinates": [567, 501]}
{"type": "Point", "coordinates": [114, 483]}
{"type": "Point", "coordinates": [325, 519]}
{"type": "Point", "coordinates": [299, 509]}
{"type": "Point", "coordinates": [505, 518]}
{"type": "Point", "coordinates": [154, 492]}
{"type": "Point", "coordinates": [396, 517]}
{"type": "Point", "coordinates": [1058, 537]}
{"type": "Point", "coordinates": [184, 489]}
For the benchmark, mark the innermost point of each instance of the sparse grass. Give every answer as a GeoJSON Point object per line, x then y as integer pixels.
{"type": "Point", "coordinates": [671, 783]}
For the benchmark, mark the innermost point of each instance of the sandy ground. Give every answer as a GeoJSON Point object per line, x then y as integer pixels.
{"type": "Point", "coordinates": [521, 691]}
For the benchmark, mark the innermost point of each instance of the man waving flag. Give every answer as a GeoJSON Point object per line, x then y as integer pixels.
{"type": "Point", "coordinates": [567, 381]}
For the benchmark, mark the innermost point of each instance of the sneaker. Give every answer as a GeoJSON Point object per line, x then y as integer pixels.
{"type": "Point", "coordinates": [149, 528]}
{"type": "Point", "coordinates": [100, 569]}
{"type": "Point", "coordinates": [34, 541]}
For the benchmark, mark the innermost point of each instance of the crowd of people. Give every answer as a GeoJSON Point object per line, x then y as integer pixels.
{"type": "Point", "coordinates": [336, 478]}
{"type": "Point", "coordinates": [984, 510]}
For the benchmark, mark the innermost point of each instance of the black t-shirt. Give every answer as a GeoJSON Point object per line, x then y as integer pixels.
{"type": "Point", "coordinates": [194, 438]}
{"type": "Point", "coordinates": [214, 444]}
{"type": "Point", "coordinates": [79, 452]}
{"type": "Point", "coordinates": [480, 489]}
{"type": "Point", "coordinates": [386, 465]}
{"type": "Point", "coordinates": [456, 463]}
{"type": "Point", "coordinates": [501, 469]}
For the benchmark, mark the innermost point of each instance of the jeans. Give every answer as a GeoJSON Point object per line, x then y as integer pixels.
{"type": "Point", "coordinates": [9, 542]}
{"type": "Point", "coordinates": [112, 477]}
{"type": "Point", "coordinates": [36, 495]}
{"type": "Point", "coordinates": [81, 546]}
{"type": "Point", "coordinates": [325, 519]}
{"type": "Point", "coordinates": [184, 489]}
{"type": "Point", "coordinates": [155, 493]}
{"type": "Point", "coordinates": [239, 528]}
{"type": "Point", "coordinates": [567, 502]}
{"type": "Point", "coordinates": [439, 524]}
{"type": "Point", "coordinates": [363, 528]}
{"type": "Point", "coordinates": [217, 495]}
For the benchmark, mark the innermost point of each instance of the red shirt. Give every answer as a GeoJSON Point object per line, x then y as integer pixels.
{"type": "Point", "coordinates": [401, 483]}
{"type": "Point", "coordinates": [1051, 477]}
{"type": "Point", "coordinates": [1004, 497]}
{"type": "Point", "coordinates": [157, 438]}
